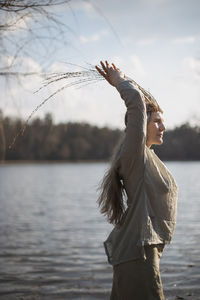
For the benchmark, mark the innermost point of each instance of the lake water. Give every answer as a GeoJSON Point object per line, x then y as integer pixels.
{"type": "Point", "coordinates": [51, 233]}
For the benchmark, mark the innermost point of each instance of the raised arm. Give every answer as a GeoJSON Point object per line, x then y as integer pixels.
{"type": "Point", "coordinates": [132, 152]}
{"type": "Point", "coordinates": [132, 155]}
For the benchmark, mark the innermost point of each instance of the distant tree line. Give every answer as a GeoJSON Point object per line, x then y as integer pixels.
{"type": "Point", "coordinates": [180, 143]}
{"type": "Point", "coordinates": [44, 140]}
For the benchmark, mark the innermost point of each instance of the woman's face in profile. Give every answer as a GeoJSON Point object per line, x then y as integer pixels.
{"type": "Point", "coordinates": [155, 129]}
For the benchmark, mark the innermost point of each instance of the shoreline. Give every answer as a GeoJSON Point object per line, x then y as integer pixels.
{"type": "Point", "coordinates": [8, 162]}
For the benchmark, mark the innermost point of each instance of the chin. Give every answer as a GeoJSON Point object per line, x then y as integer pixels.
{"type": "Point", "coordinates": [159, 142]}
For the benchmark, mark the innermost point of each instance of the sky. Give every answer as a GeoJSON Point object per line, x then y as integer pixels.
{"type": "Point", "coordinates": [155, 42]}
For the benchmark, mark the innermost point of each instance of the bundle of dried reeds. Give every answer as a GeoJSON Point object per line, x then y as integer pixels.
{"type": "Point", "coordinates": [78, 79]}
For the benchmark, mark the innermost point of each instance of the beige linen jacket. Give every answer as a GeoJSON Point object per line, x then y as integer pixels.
{"type": "Point", "coordinates": [150, 188]}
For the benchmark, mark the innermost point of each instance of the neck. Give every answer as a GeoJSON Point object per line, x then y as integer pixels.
{"type": "Point", "coordinates": [148, 145]}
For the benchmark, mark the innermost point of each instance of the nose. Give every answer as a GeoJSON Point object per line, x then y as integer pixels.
{"type": "Point", "coordinates": [162, 127]}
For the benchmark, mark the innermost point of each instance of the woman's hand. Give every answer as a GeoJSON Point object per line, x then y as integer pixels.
{"type": "Point", "coordinates": [111, 73]}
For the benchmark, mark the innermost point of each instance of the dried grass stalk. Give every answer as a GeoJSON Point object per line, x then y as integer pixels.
{"type": "Point", "coordinates": [78, 79]}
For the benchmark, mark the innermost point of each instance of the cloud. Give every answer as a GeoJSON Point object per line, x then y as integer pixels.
{"type": "Point", "coordinates": [179, 93]}
{"type": "Point", "coordinates": [137, 66]}
{"type": "Point", "coordinates": [146, 41]}
{"type": "Point", "coordinates": [15, 24]}
{"type": "Point", "coordinates": [132, 65]}
{"type": "Point", "coordinates": [17, 91]}
{"type": "Point", "coordinates": [192, 67]}
{"type": "Point", "coordinates": [93, 38]}
{"type": "Point", "coordinates": [184, 40]}
{"type": "Point", "coordinates": [83, 5]}
{"type": "Point", "coordinates": [58, 66]}
{"type": "Point", "coordinates": [20, 64]}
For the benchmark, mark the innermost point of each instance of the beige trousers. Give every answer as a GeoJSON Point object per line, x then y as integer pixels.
{"type": "Point", "coordinates": [139, 279]}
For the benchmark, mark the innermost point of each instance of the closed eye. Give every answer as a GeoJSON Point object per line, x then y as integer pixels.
{"type": "Point", "coordinates": [158, 121]}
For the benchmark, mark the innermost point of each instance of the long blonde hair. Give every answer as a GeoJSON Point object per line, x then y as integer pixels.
{"type": "Point", "coordinates": [112, 197]}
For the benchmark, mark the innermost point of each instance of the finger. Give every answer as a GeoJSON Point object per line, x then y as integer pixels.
{"type": "Point", "coordinates": [107, 64]}
{"type": "Point", "coordinates": [103, 66]}
{"type": "Point", "coordinates": [114, 67]}
{"type": "Point", "coordinates": [100, 71]}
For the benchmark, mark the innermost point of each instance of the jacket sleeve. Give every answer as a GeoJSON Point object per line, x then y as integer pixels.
{"type": "Point", "coordinates": [132, 152]}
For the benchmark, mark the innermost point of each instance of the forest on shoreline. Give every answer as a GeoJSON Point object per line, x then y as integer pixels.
{"type": "Point", "coordinates": [44, 140]}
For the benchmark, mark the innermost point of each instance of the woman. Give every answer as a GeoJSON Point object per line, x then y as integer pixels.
{"type": "Point", "coordinates": [146, 224]}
